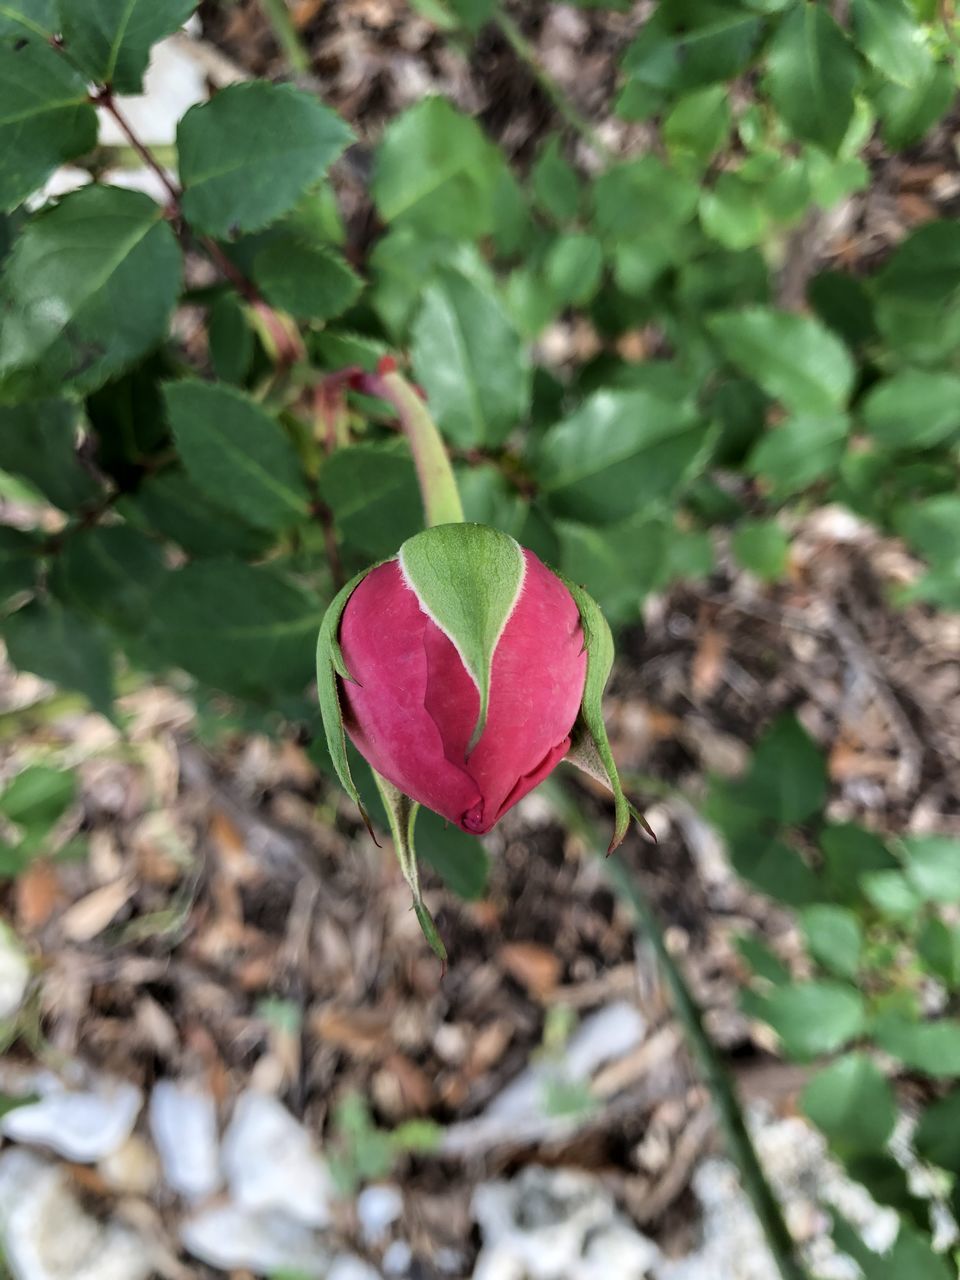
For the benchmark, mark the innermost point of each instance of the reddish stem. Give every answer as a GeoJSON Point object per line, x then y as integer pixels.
{"type": "Point", "coordinates": [287, 345]}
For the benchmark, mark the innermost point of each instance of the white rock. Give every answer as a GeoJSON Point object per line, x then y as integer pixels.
{"type": "Point", "coordinates": [556, 1224]}
{"type": "Point", "coordinates": [233, 1238]}
{"type": "Point", "coordinates": [14, 972]}
{"type": "Point", "coordinates": [47, 1236]}
{"type": "Point", "coordinates": [174, 81]}
{"type": "Point", "coordinates": [620, 1250]}
{"type": "Point", "coordinates": [378, 1207]}
{"type": "Point", "coordinates": [132, 1168]}
{"type": "Point", "coordinates": [397, 1258]}
{"type": "Point", "coordinates": [607, 1034]}
{"type": "Point", "coordinates": [519, 1113]}
{"type": "Point", "coordinates": [183, 1124]}
{"type": "Point", "coordinates": [348, 1267]}
{"type": "Point", "coordinates": [84, 1126]}
{"type": "Point", "coordinates": [270, 1162]}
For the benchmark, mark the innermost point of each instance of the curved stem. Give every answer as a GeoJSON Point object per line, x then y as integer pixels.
{"type": "Point", "coordinates": [438, 486]}
{"type": "Point", "coordinates": [739, 1143]}
{"type": "Point", "coordinates": [283, 341]}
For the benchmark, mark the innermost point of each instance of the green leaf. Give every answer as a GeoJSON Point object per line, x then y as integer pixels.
{"type": "Point", "coordinates": [18, 560]}
{"type": "Point", "coordinates": [933, 866]}
{"type": "Point", "coordinates": [906, 114]}
{"type": "Point", "coordinates": [938, 946]}
{"type": "Point", "coordinates": [170, 504]}
{"type": "Point", "coordinates": [436, 171]}
{"type": "Point", "coordinates": [793, 357]}
{"type": "Point", "coordinates": [731, 212]}
{"type": "Point", "coordinates": [912, 1256]}
{"type": "Point", "coordinates": [231, 339]}
{"type": "Point", "coordinates": [23, 17]}
{"type": "Point", "coordinates": [851, 1101]}
{"type": "Point", "coordinates": [812, 76]}
{"type": "Point", "coordinates": [330, 665]}
{"type": "Point", "coordinates": [932, 526]}
{"type": "Point", "coordinates": [913, 409]}
{"type": "Point", "coordinates": [372, 492]}
{"type": "Point", "coordinates": [888, 36]}
{"type": "Point", "coordinates": [111, 39]}
{"type": "Point", "coordinates": [39, 796]}
{"type": "Point", "coordinates": [850, 852]}
{"type": "Point", "coordinates": [111, 571]}
{"type": "Point", "coordinates": [574, 267]}
{"type": "Point", "coordinates": [249, 154]}
{"type": "Point", "coordinates": [309, 281]}
{"type": "Point", "coordinates": [556, 186]}
{"type": "Point", "coordinates": [715, 45]}
{"type": "Point", "coordinates": [762, 547]}
{"type": "Point", "coordinates": [89, 286]}
{"type": "Point", "coordinates": [924, 268]}
{"type": "Point", "coordinates": [471, 362]}
{"type": "Point", "coordinates": [932, 1047]}
{"type": "Point", "coordinates": [63, 647]}
{"type": "Point", "coordinates": [467, 579]}
{"type": "Point", "coordinates": [128, 427]}
{"type": "Point", "coordinates": [39, 441]}
{"type": "Point", "coordinates": [624, 562]}
{"type": "Point", "coordinates": [885, 1179]}
{"type": "Point", "coordinates": [834, 938]}
{"type": "Point", "coordinates": [891, 893]}
{"type": "Point", "coordinates": [617, 454]}
{"type": "Point", "coordinates": [764, 963]}
{"type": "Point", "coordinates": [697, 45]}
{"type": "Point", "coordinates": [236, 453]}
{"type": "Point", "coordinates": [402, 815]}
{"type": "Point", "coordinates": [814, 1017]}
{"type": "Point", "coordinates": [699, 123]}
{"type": "Point", "coordinates": [590, 746]}
{"type": "Point", "coordinates": [530, 306]}
{"type": "Point", "coordinates": [937, 1136]}
{"type": "Point", "coordinates": [787, 779]}
{"type": "Point", "coordinates": [844, 304]}
{"type": "Point", "coordinates": [643, 201]}
{"type": "Point", "coordinates": [46, 117]}
{"type": "Point", "coordinates": [799, 451]}
{"type": "Point", "coordinates": [848, 1241]}
{"type": "Point", "coordinates": [772, 865]}
{"type": "Point", "coordinates": [246, 630]}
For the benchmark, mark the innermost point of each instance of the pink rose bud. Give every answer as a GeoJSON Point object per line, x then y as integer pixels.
{"type": "Point", "coordinates": [464, 670]}
{"type": "Point", "coordinates": [414, 706]}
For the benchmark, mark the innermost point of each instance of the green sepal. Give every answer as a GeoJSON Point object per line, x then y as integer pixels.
{"type": "Point", "coordinates": [402, 816]}
{"type": "Point", "coordinates": [330, 664]}
{"type": "Point", "coordinates": [467, 578]}
{"type": "Point", "coordinates": [590, 746]}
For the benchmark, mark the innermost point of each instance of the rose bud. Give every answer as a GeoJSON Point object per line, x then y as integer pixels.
{"type": "Point", "coordinates": [464, 670]}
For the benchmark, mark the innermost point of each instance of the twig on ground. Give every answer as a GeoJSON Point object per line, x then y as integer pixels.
{"type": "Point", "coordinates": [522, 47]}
